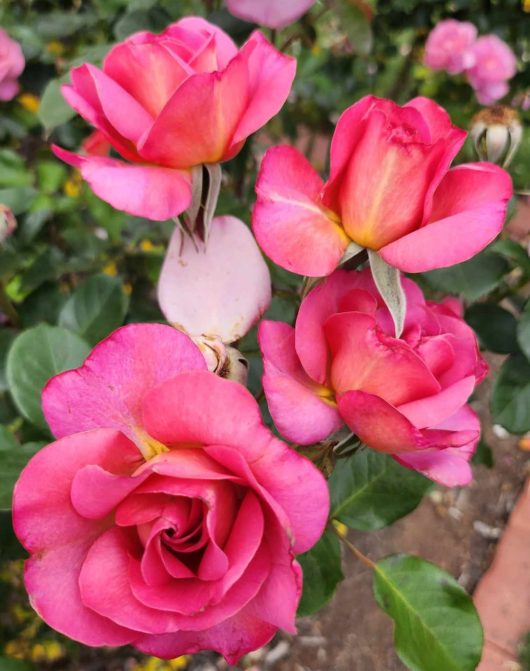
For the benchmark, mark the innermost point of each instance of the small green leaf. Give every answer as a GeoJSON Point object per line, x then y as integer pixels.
{"type": "Point", "coordinates": [322, 573]}
{"type": "Point", "coordinates": [523, 331]}
{"type": "Point", "coordinates": [496, 327]}
{"type": "Point", "coordinates": [35, 356]}
{"type": "Point", "coordinates": [370, 490]}
{"type": "Point", "coordinates": [514, 252]}
{"type": "Point", "coordinates": [510, 403]}
{"type": "Point", "coordinates": [472, 279]}
{"type": "Point", "coordinates": [96, 308]}
{"type": "Point", "coordinates": [437, 627]}
{"type": "Point", "coordinates": [53, 108]}
{"type": "Point", "coordinates": [388, 281]}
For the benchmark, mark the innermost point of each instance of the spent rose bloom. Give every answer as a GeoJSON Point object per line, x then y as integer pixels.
{"type": "Point", "coordinates": [340, 364]}
{"type": "Point", "coordinates": [390, 190]}
{"type": "Point", "coordinates": [12, 64]}
{"type": "Point", "coordinates": [166, 515]}
{"type": "Point", "coordinates": [271, 13]}
{"type": "Point", "coordinates": [448, 46]}
{"type": "Point", "coordinates": [170, 102]}
{"type": "Point", "coordinates": [217, 288]}
{"type": "Point", "coordinates": [494, 65]}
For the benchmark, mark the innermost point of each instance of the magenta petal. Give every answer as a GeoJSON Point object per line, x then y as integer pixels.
{"type": "Point", "coordinates": [296, 403]}
{"type": "Point", "coordinates": [288, 221]}
{"type": "Point", "coordinates": [383, 428]}
{"type": "Point", "coordinates": [218, 289]}
{"type": "Point", "coordinates": [271, 75]}
{"type": "Point", "coordinates": [148, 191]}
{"type": "Point", "coordinates": [469, 206]}
{"type": "Point", "coordinates": [272, 13]}
{"type": "Point", "coordinates": [233, 638]}
{"type": "Point", "coordinates": [115, 377]}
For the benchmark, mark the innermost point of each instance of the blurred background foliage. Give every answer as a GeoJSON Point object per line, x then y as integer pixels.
{"type": "Point", "coordinates": [75, 269]}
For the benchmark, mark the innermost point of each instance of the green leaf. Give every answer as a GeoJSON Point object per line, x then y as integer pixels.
{"type": "Point", "coordinates": [18, 199]}
{"type": "Point", "coordinates": [35, 356]}
{"type": "Point", "coordinates": [13, 458]}
{"type": "Point", "coordinates": [371, 490]}
{"type": "Point", "coordinates": [97, 307]}
{"type": "Point", "coordinates": [496, 327]}
{"type": "Point", "coordinates": [6, 338]}
{"type": "Point", "coordinates": [510, 403]}
{"type": "Point", "coordinates": [357, 26]}
{"type": "Point", "coordinates": [483, 455]}
{"type": "Point", "coordinates": [322, 573]}
{"type": "Point", "coordinates": [472, 279]}
{"type": "Point", "coordinates": [53, 108]}
{"type": "Point", "coordinates": [437, 627]}
{"type": "Point", "coordinates": [523, 331]}
{"type": "Point", "coordinates": [514, 252]}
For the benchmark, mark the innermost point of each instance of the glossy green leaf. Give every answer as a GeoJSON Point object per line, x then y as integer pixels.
{"type": "Point", "coordinates": [483, 455]}
{"type": "Point", "coordinates": [510, 403]}
{"type": "Point", "coordinates": [513, 251]}
{"type": "Point", "coordinates": [370, 490]}
{"type": "Point", "coordinates": [53, 108]}
{"type": "Point", "coordinates": [523, 331]}
{"type": "Point", "coordinates": [472, 279]}
{"type": "Point", "coordinates": [322, 573]}
{"type": "Point", "coordinates": [437, 627]}
{"type": "Point", "coordinates": [35, 356]}
{"type": "Point", "coordinates": [496, 327]}
{"type": "Point", "coordinates": [96, 308]}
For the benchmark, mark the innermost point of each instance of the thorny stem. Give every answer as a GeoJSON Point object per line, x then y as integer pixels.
{"type": "Point", "coordinates": [351, 547]}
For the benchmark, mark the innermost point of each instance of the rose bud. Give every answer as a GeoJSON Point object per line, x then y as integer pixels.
{"type": "Point", "coordinates": [8, 223]}
{"type": "Point", "coordinates": [12, 64]}
{"type": "Point", "coordinates": [497, 133]}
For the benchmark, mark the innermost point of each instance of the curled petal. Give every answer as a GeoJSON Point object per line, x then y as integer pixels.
{"type": "Point", "coordinates": [289, 223]}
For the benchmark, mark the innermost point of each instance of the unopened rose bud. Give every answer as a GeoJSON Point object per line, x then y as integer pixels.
{"type": "Point", "coordinates": [496, 133]}
{"type": "Point", "coordinates": [223, 360]}
{"type": "Point", "coordinates": [8, 223]}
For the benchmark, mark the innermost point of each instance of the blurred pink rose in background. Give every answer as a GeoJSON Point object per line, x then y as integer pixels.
{"type": "Point", "coordinates": [406, 396]}
{"type": "Point", "coordinates": [494, 65]}
{"type": "Point", "coordinates": [270, 13]}
{"type": "Point", "coordinates": [448, 46]}
{"type": "Point", "coordinates": [12, 64]}
{"type": "Point", "coordinates": [166, 515]}
{"type": "Point", "coordinates": [169, 102]}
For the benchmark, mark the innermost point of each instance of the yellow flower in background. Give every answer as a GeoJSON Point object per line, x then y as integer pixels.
{"type": "Point", "coordinates": [47, 651]}
{"type": "Point", "coordinates": [110, 269]}
{"type": "Point", "coordinates": [55, 47]}
{"type": "Point", "coordinates": [127, 288]}
{"type": "Point", "coordinates": [72, 186]}
{"type": "Point", "coordinates": [29, 102]}
{"type": "Point", "coordinates": [146, 245]}
{"type": "Point", "coordinates": [155, 664]}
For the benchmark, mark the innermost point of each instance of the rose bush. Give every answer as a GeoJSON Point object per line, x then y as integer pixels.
{"type": "Point", "coordinates": [390, 190]}
{"type": "Point", "coordinates": [406, 397]}
{"type": "Point", "coordinates": [169, 102]}
{"type": "Point", "coordinates": [166, 515]}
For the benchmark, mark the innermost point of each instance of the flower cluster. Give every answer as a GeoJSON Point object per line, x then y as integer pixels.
{"type": "Point", "coordinates": [487, 61]}
{"type": "Point", "coordinates": [166, 514]}
{"type": "Point", "coordinates": [12, 64]}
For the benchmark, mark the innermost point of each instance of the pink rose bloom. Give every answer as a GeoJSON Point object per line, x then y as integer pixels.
{"type": "Point", "coordinates": [448, 46]}
{"type": "Point", "coordinates": [495, 64]}
{"type": "Point", "coordinates": [12, 64]}
{"type": "Point", "coordinates": [340, 364]}
{"type": "Point", "coordinates": [390, 190]}
{"type": "Point", "coordinates": [270, 13]}
{"type": "Point", "coordinates": [166, 515]}
{"type": "Point", "coordinates": [167, 103]}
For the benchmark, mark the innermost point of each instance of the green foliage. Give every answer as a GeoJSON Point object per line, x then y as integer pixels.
{"type": "Point", "coordinates": [511, 395]}
{"type": "Point", "coordinates": [371, 490]}
{"type": "Point", "coordinates": [37, 355]}
{"type": "Point", "coordinates": [436, 625]}
{"type": "Point", "coordinates": [322, 573]}
{"type": "Point", "coordinates": [496, 327]}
